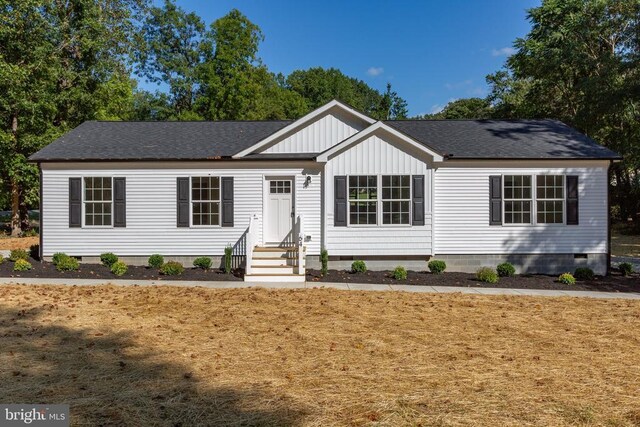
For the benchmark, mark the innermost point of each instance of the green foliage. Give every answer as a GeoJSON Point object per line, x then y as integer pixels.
{"type": "Point", "coordinates": [202, 262]}
{"type": "Point", "coordinates": [108, 259]}
{"type": "Point", "coordinates": [400, 273]}
{"type": "Point", "coordinates": [437, 266]}
{"type": "Point", "coordinates": [17, 254]}
{"type": "Point", "coordinates": [228, 259]}
{"type": "Point", "coordinates": [1, 259]}
{"type": "Point", "coordinates": [57, 257]}
{"type": "Point", "coordinates": [487, 275]}
{"type": "Point", "coordinates": [567, 279]}
{"type": "Point", "coordinates": [358, 267]}
{"type": "Point", "coordinates": [324, 261]}
{"type": "Point", "coordinates": [506, 269]}
{"type": "Point", "coordinates": [465, 108]}
{"type": "Point", "coordinates": [67, 263]}
{"type": "Point", "coordinates": [22, 265]}
{"type": "Point", "coordinates": [583, 273]}
{"type": "Point", "coordinates": [119, 268]}
{"type": "Point", "coordinates": [172, 268]}
{"type": "Point", "coordinates": [625, 268]}
{"type": "Point", "coordinates": [155, 261]}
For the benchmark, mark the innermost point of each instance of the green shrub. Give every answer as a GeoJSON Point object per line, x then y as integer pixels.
{"type": "Point", "coordinates": [202, 262]}
{"type": "Point", "coordinates": [506, 269]}
{"type": "Point", "coordinates": [171, 268]}
{"type": "Point", "coordinates": [67, 263]}
{"type": "Point", "coordinates": [400, 273]}
{"type": "Point", "coordinates": [21, 265]}
{"type": "Point", "coordinates": [625, 268]}
{"type": "Point", "coordinates": [108, 259]}
{"type": "Point", "coordinates": [57, 257]}
{"type": "Point", "coordinates": [324, 260]}
{"type": "Point", "coordinates": [583, 273]}
{"type": "Point", "coordinates": [567, 279]}
{"type": "Point", "coordinates": [1, 259]}
{"type": "Point", "coordinates": [487, 275]}
{"type": "Point", "coordinates": [156, 261]}
{"type": "Point", "coordinates": [17, 254]}
{"type": "Point", "coordinates": [228, 259]}
{"type": "Point", "coordinates": [358, 267]}
{"type": "Point", "coordinates": [437, 266]}
{"type": "Point", "coordinates": [119, 268]}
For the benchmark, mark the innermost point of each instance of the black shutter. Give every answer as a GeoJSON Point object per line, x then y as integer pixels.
{"type": "Point", "coordinates": [227, 202]}
{"type": "Point", "coordinates": [495, 200]}
{"type": "Point", "coordinates": [417, 202]}
{"type": "Point", "coordinates": [572, 200]}
{"type": "Point", "coordinates": [75, 202]}
{"type": "Point", "coordinates": [183, 202]}
{"type": "Point", "coordinates": [119, 202]}
{"type": "Point", "coordinates": [340, 201]}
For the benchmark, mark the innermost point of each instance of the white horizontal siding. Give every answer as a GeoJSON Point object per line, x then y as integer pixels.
{"type": "Point", "coordinates": [379, 154]}
{"type": "Point", "coordinates": [461, 211]}
{"type": "Point", "coordinates": [151, 208]}
{"type": "Point", "coordinates": [316, 137]}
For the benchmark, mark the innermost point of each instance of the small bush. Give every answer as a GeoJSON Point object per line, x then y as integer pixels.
{"type": "Point", "coordinates": [358, 267]}
{"type": "Point", "coordinates": [487, 275]}
{"type": "Point", "coordinates": [567, 279]}
{"type": "Point", "coordinates": [17, 254]}
{"type": "Point", "coordinates": [57, 257]}
{"type": "Point", "coordinates": [324, 260]}
{"type": "Point", "coordinates": [119, 268]}
{"type": "Point", "coordinates": [172, 268]}
{"type": "Point", "coordinates": [108, 259]}
{"type": "Point", "coordinates": [583, 273]}
{"type": "Point", "coordinates": [202, 262]}
{"type": "Point", "coordinates": [228, 259]}
{"type": "Point", "coordinates": [1, 259]}
{"type": "Point", "coordinates": [625, 268]}
{"type": "Point", "coordinates": [21, 265]}
{"type": "Point", "coordinates": [506, 269]}
{"type": "Point", "coordinates": [67, 263]}
{"type": "Point", "coordinates": [437, 266]}
{"type": "Point", "coordinates": [400, 273]}
{"type": "Point", "coordinates": [155, 261]}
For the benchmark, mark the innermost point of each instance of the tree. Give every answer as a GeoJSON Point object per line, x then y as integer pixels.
{"type": "Point", "coordinates": [465, 108]}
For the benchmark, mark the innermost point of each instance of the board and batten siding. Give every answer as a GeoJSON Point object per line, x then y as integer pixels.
{"type": "Point", "coordinates": [461, 210]}
{"type": "Point", "coordinates": [151, 207]}
{"type": "Point", "coordinates": [322, 134]}
{"type": "Point", "coordinates": [378, 154]}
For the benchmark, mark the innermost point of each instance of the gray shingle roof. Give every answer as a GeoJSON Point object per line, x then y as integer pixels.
{"type": "Point", "coordinates": [503, 139]}
{"type": "Point", "coordinates": [461, 139]}
{"type": "Point", "coordinates": [157, 140]}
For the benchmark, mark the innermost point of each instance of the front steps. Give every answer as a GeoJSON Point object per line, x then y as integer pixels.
{"type": "Point", "coordinates": [274, 264]}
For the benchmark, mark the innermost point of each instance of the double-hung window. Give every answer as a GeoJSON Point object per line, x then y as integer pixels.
{"type": "Point", "coordinates": [205, 200]}
{"type": "Point", "coordinates": [517, 199]}
{"type": "Point", "coordinates": [396, 199]}
{"type": "Point", "coordinates": [363, 200]}
{"type": "Point", "coordinates": [550, 199]}
{"type": "Point", "coordinates": [98, 201]}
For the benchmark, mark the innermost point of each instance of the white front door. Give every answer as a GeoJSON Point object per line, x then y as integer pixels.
{"type": "Point", "coordinates": [279, 212]}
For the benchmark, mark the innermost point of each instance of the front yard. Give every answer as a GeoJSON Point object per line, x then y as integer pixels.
{"type": "Point", "coordinates": [192, 356]}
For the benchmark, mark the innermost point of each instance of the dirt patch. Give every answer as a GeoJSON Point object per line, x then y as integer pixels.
{"type": "Point", "coordinates": [8, 243]}
{"type": "Point", "coordinates": [98, 271]}
{"type": "Point", "coordinates": [193, 356]}
{"type": "Point", "coordinates": [614, 283]}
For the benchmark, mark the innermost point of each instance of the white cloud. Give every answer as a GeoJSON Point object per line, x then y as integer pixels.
{"type": "Point", "coordinates": [505, 51]}
{"type": "Point", "coordinates": [375, 71]}
{"type": "Point", "coordinates": [436, 108]}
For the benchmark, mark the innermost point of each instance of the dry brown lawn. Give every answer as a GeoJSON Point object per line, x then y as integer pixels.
{"type": "Point", "coordinates": [192, 356]}
{"type": "Point", "coordinates": [18, 242]}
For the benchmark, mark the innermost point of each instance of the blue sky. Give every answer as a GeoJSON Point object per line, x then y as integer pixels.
{"type": "Point", "coordinates": [430, 51]}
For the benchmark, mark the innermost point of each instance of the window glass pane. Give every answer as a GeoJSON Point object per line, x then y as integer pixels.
{"type": "Point", "coordinates": [205, 200]}
{"type": "Point", "coordinates": [97, 201]}
{"type": "Point", "coordinates": [550, 196]}
{"type": "Point", "coordinates": [396, 199]}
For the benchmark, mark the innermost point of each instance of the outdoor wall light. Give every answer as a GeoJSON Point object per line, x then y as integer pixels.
{"type": "Point", "coordinates": [307, 181]}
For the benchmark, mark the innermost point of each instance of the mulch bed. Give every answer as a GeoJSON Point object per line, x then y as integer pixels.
{"type": "Point", "coordinates": [98, 271]}
{"type": "Point", "coordinates": [614, 283]}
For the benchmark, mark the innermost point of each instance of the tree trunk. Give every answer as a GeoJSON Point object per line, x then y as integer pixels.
{"type": "Point", "coordinates": [16, 228]}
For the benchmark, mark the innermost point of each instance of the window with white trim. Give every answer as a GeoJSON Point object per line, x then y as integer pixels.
{"type": "Point", "coordinates": [517, 199]}
{"type": "Point", "coordinates": [396, 199]}
{"type": "Point", "coordinates": [205, 200]}
{"type": "Point", "coordinates": [550, 199]}
{"type": "Point", "coordinates": [98, 201]}
{"type": "Point", "coordinates": [363, 200]}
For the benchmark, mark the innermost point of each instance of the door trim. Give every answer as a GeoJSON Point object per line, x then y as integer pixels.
{"type": "Point", "coordinates": [265, 194]}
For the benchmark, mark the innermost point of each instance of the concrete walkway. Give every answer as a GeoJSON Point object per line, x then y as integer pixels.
{"type": "Point", "coordinates": [310, 285]}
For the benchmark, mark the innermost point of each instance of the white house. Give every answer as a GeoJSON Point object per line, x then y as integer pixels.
{"type": "Point", "coordinates": [469, 192]}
